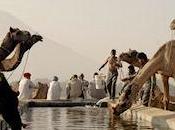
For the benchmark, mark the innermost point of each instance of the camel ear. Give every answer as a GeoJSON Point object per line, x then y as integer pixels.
{"type": "Point", "coordinates": [12, 30]}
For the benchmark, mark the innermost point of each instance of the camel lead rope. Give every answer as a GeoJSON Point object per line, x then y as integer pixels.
{"type": "Point", "coordinates": [121, 74]}
{"type": "Point", "coordinates": [10, 75]}
{"type": "Point", "coordinates": [25, 64]}
{"type": "Point", "coordinates": [150, 96]}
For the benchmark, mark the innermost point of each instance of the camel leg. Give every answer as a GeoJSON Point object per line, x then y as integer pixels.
{"type": "Point", "coordinates": [166, 91]}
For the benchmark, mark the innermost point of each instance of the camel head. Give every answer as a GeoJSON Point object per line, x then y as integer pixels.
{"type": "Point", "coordinates": [125, 99]}
{"type": "Point", "coordinates": [12, 38]}
{"type": "Point", "coordinates": [130, 57]}
{"type": "Point", "coordinates": [35, 38]}
{"type": "Point", "coordinates": [28, 44]}
{"type": "Point", "coordinates": [18, 35]}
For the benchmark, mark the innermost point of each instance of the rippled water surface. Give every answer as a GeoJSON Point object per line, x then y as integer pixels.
{"type": "Point", "coordinates": [80, 118]}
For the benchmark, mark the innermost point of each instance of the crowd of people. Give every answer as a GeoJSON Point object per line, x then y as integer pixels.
{"type": "Point", "coordinates": [99, 87]}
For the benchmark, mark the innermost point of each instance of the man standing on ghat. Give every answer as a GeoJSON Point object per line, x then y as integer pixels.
{"type": "Point", "coordinates": [113, 66]}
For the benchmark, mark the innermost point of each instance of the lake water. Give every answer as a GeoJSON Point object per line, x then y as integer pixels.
{"type": "Point", "coordinates": [80, 118]}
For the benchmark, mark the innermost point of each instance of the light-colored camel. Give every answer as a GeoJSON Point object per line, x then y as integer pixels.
{"type": "Point", "coordinates": [162, 61]}
{"type": "Point", "coordinates": [130, 58]}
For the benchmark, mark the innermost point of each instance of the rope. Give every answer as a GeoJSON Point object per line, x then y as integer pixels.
{"type": "Point", "coordinates": [151, 93]}
{"type": "Point", "coordinates": [10, 75]}
{"type": "Point", "coordinates": [25, 64]}
{"type": "Point", "coordinates": [121, 74]}
{"type": "Point", "coordinates": [23, 68]}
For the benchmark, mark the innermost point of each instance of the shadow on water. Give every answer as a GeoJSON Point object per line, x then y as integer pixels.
{"type": "Point", "coordinates": [118, 123]}
{"type": "Point", "coordinates": [80, 118]}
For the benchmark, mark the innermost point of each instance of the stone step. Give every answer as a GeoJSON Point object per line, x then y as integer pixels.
{"type": "Point", "coordinates": [58, 103]}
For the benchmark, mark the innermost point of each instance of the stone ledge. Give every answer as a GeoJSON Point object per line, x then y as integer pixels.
{"type": "Point", "coordinates": [156, 116]}
{"type": "Point", "coordinates": [58, 103]}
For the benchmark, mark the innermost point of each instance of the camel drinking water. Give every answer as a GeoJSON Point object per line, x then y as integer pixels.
{"type": "Point", "coordinates": [162, 61]}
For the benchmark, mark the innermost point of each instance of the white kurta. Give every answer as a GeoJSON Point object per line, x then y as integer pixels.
{"type": "Point", "coordinates": [54, 91]}
{"type": "Point", "coordinates": [25, 89]}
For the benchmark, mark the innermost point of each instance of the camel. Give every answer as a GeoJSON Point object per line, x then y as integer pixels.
{"type": "Point", "coordinates": [130, 58]}
{"type": "Point", "coordinates": [23, 41]}
{"type": "Point", "coordinates": [41, 93]}
{"type": "Point", "coordinates": [162, 61]}
{"type": "Point", "coordinates": [21, 48]}
{"type": "Point", "coordinates": [12, 38]}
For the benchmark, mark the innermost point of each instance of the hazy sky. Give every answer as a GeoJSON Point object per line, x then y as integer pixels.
{"type": "Point", "coordinates": [93, 27]}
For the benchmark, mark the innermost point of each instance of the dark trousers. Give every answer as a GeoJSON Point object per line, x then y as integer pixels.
{"type": "Point", "coordinates": [111, 83]}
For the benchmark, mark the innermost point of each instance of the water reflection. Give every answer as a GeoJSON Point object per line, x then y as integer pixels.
{"type": "Point", "coordinates": [79, 118]}
{"type": "Point", "coordinates": [116, 123]}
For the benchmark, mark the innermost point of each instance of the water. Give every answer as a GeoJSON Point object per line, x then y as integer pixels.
{"type": "Point", "coordinates": [80, 118]}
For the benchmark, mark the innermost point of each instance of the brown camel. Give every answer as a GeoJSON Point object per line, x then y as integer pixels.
{"type": "Point", "coordinates": [8, 98]}
{"type": "Point", "coordinates": [162, 61]}
{"type": "Point", "coordinates": [41, 92]}
{"type": "Point", "coordinates": [12, 38]}
{"type": "Point", "coordinates": [21, 48]}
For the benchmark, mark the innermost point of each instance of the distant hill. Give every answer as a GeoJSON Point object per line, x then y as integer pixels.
{"type": "Point", "coordinates": [48, 58]}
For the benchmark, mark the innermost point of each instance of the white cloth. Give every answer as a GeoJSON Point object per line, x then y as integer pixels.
{"type": "Point", "coordinates": [99, 82]}
{"type": "Point", "coordinates": [54, 91]}
{"type": "Point", "coordinates": [74, 88]}
{"type": "Point", "coordinates": [25, 89]}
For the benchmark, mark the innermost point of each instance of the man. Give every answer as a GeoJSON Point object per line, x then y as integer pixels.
{"type": "Point", "coordinates": [85, 84]}
{"type": "Point", "coordinates": [26, 87]}
{"type": "Point", "coordinates": [74, 88]}
{"type": "Point", "coordinates": [145, 92]}
{"type": "Point", "coordinates": [131, 74]}
{"type": "Point", "coordinates": [54, 91]}
{"type": "Point", "coordinates": [113, 65]}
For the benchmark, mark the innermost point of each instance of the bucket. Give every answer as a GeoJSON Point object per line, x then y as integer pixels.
{"type": "Point", "coordinates": [99, 83]}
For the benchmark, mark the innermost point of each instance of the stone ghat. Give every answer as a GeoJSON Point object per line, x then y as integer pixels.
{"type": "Point", "coordinates": [156, 116]}
{"type": "Point", "coordinates": [58, 103]}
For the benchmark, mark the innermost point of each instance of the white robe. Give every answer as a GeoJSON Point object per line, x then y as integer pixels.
{"type": "Point", "coordinates": [54, 91]}
{"type": "Point", "coordinates": [25, 89]}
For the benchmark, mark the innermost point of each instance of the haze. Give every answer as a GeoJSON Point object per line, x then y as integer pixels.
{"type": "Point", "coordinates": [93, 27]}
